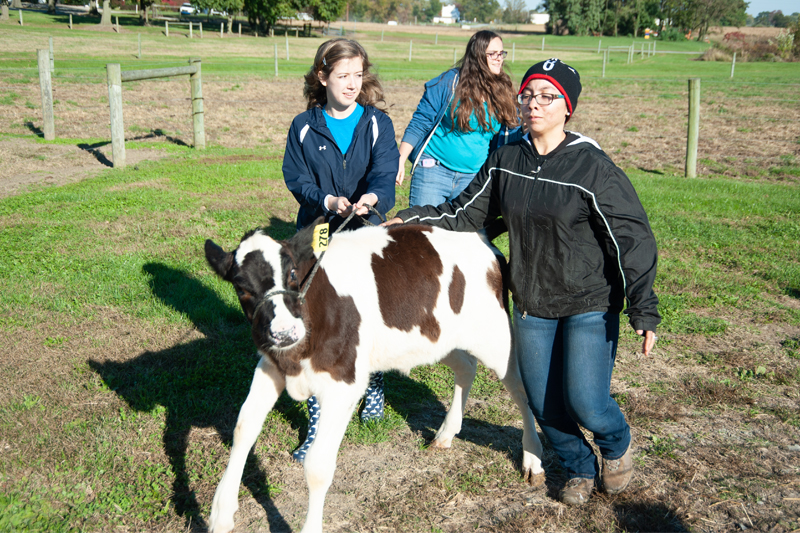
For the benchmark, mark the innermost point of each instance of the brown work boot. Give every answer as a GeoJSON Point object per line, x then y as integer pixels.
{"type": "Point", "coordinates": [617, 473]}
{"type": "Point", "coordinates": [577, 491]}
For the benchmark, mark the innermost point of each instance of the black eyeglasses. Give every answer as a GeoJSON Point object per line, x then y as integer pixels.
{"type": "Point", "coordinates": [497, 55]}
{"type": "Point", "coordinates": [541, 98]}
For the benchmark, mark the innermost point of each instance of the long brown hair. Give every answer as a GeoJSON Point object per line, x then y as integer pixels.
{"type": "Point", "coordinates": [477, 84]}
{"type": "Point", "coordinates": [328, 54]}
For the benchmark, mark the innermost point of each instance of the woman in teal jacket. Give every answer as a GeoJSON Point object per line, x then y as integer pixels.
{"type": "Point", "coordinates": [460, 112]}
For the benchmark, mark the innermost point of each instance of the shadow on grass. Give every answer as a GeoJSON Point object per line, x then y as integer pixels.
{"type": "Point", "coordinates": [641, 516]}
{"type": "Point", "coordinates": [204, 382]}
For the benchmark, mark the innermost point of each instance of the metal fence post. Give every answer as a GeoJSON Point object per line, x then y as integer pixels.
{"type": "Point", "coordinates": [694, 127]}
{"type": "Point", "coordinates": [410, 48]}
{"type": "Point", "coordinates": [139, 38]}
{"type": "Point", "coordinates": [115, 106]}
{"type": "Point", "coordinates": [454, 57]}
{"type": "Point", "coordinates": [287, 45]}
{"type": "Point", "coordinates": [52, 57]}
{"type": "Point", "coordinates": [513, 51]}
{"type": "Point", "coordinates": [436, 41]}
{"type": "Point", "coordinates": [43, 57]}
{"type": "Point", "coordinates": [70, 21]}
{"type": "Point", "coordinates": [598, 45]}
{"type": "Point", "coordinates": [190, 31]}
{"type": "Point", "coordinates": [276, 60]}
{"type": "Point", "coordinates": [200, 24]}
{"type": "Point", "coordinates": [542, 44]}
{"type": "Point", "coordinates": [20, 18]}
{"type": "Point", "coordinates": [733, 64]}
{"type": "Point", "coordinates": [197, 106]}
{"type": "Point", "coordinates": [166, 28]}
{"type": "Point", "coordinates": [605, 58]}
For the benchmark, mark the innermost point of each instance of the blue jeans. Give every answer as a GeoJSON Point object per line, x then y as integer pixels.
{"type": "Point", "coordinates": [437, 184]}
{"type": "Point", "coordinates": [566, 366]}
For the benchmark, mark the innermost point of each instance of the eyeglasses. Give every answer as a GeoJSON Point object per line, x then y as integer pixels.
{"type": "Point", "coordinates": [497, 55]}
{"type": "Point", "coordinates": [541, 98]}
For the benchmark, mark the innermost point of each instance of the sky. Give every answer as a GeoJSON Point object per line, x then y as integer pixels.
{"type": "Point", "coordinates": [756, 6]}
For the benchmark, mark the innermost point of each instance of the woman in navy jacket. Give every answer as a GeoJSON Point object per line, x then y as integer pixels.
{"type": "Point", "coordinates": [341, 156]}
{"type": "Point", "coordinates": [326, 178]}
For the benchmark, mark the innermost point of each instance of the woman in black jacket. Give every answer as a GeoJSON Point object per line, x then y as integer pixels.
{"type": "Point", "coordinates": [580, 245]}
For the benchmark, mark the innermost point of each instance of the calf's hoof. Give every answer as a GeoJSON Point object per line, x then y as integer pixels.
{"type": "Point", "coordinates": [443, 444]}
{"type": "Point", "coordinates": [535, 480]}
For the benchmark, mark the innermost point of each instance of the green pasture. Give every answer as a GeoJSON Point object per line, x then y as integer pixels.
{"type": "Point", "coordinates": [131, 241]}
{"type": "Point", "coordinates": [231, 57]}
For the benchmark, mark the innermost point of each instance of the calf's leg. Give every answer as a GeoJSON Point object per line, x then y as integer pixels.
{"type": "Point", "coordinates": [337, 405]}
{"type": "Point", "coordinates": [464, 368]}
{"type": "Point", "coordinates": [268, 383]}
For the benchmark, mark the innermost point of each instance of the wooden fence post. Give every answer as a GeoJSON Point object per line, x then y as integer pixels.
{"type": "Point", "coordinates": [287, 45]}
{"type": "Point", "coordinates": [43, 57]}
{"type": "Point", "coordinates": [70, 21]}
{"type": "Point", "coordinates": [197, 107]}
{"type": "Point", "coordinates": [694, 127]}
{"type": "Point", "coordinates": [201, 29]}
{"type": "Point", "coordinates": [166, 27]}
{"type": "Point", "coordinates": [240, 29]}
{"type": "Point", "coordinates": [20, 18]}
{"type": "Point", "coordinates": [733, 64]}
{"type": "Point", "coordinates": [119, 28]}
{"type": "Point", "coordinates": [410, 48]}
{"type": "Point", "coordinates": [221, 30]}
{"type": "Point", "coordinates": [139, 38]}
{"type": "Point", "coordinates": [115, 106]}
{"type": "Point", "coordinates": [605, 58]}
{"type": "Point", "coordinates": [52, 57]}
{"type": "Point", "coordinates": [190, 31]}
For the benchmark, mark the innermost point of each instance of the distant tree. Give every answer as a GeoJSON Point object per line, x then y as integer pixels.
{"type": "Point", "coordinates": [480, 10]}
{"type": "Point", "coordinates": [434, 9]}
{"type": "Point", "coordinates": [231, 7]}
{"type": "Point", "coordinates": [515, 12]}
{"type": "Point", "coordinates": [779, 20]}
{"type": "Point", "coordinates": [327, 10]}
{"type": "Point", "coordinates": [704, 13]}
{"type": "Point", "coordinates": [16, 4]}
{"type": "Point", "coordinates": [263, 14]}
{"type": "Point", "coordinates": [51, 7]}
{"type": "Point", "coordinates": [580, 17]}
{"type": "Point", "coordinates": [763, 19]}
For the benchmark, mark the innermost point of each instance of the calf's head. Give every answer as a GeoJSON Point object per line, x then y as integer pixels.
{"type": "Point", "coordinates": [260, 269]}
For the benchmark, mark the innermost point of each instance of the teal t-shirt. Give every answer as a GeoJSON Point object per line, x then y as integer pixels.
{"type": "Point", "coordinates": [459, 151]}
{"type": "Point", "coordinates": [343, 128]}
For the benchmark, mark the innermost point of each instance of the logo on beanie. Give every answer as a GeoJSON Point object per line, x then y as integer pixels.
{"type": "Point", "coordinates": [549, 64]}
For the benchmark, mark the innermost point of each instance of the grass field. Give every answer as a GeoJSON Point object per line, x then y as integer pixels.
{"type": "Point", "coordinates": [124, 360]}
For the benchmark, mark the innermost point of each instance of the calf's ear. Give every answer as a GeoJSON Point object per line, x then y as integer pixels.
{"type": "Point", "coordinates": [218, 259]}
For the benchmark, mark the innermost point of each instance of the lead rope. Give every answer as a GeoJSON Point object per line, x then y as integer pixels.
{"type": "Point", "coordinates": [302, 294]}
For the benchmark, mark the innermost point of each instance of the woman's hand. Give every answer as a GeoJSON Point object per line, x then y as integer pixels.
{"type": "Point", "coordinates": [649, 340]}
{"type": "Point", "coordinates": [401, 173]}
{"type": "Point", "coordinates": [392, 222]}
{"type": "Point", "coordinates": [405, 151]}
{"type": "Point", "coordinates": [340, 205]}
{"type": "Point", "coordinates": [369, 199]}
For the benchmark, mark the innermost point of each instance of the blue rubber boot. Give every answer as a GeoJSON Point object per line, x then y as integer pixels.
{"type": "Point", "coordinates": [299, 454]}
{"type": "Point", "coordinates": [373, 399]}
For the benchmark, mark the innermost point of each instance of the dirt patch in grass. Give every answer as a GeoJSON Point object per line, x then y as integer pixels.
{"type": "Point", "coordinates": [712, 450]}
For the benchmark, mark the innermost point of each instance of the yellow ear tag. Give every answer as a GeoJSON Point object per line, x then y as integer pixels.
{"type": "Point", "coordinates": [320, 241]}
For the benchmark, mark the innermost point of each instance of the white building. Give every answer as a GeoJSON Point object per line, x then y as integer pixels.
{"type": "Point", "coordinates": [450, 15]}
{"type": "Point", "coordinates": [540, 18]}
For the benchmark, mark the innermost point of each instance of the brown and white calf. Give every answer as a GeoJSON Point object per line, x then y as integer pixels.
{"type": "Point", "coordinates": [382, 299]}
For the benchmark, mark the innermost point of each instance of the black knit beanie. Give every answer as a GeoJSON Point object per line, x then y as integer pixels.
{"type": "Point", "coordinates": [565, 78]}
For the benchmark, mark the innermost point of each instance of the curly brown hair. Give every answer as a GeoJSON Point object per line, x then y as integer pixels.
{"type": "Point", "coordinates": [477, 84]}
{"type": "Point", "coordinates": [328, 54]}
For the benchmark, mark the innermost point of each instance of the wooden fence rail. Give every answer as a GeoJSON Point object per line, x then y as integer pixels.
{"type": "Point", "coordinates": [115, 80]}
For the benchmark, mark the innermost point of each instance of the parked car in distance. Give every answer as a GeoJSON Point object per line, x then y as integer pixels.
{"type": "Point", "coordinates": [305, 17]}
{"type": "Point", "coordinates": [188, 9]}
{"type": "Point", "coordinates": [222, 13]}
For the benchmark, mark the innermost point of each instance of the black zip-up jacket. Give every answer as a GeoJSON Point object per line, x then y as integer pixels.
{"type": "Point", "coordinates": [579, 238]}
